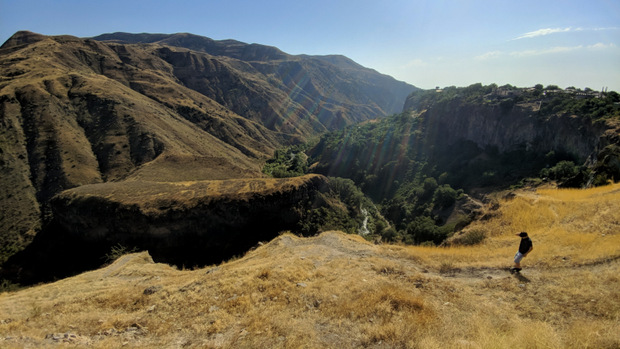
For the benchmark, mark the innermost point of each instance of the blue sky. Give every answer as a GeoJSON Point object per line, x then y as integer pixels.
{"type": "Point", "coordinates": [425, 43]}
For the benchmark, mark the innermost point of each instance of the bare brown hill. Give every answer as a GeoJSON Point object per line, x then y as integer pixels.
{"type": "Point", "coordinates": [83, 111]}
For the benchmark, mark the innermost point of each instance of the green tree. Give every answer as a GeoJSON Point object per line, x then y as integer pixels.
{"type": "Point", "coordinates": [444, 196]}
{"type": "Point", "coordinates": [563, 170]}
{"type": "Point", "coordinates": [423, 229]}
{"type": "Point", "coordinates": [429, 186]}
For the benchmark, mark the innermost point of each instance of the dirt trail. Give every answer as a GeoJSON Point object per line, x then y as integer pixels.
{"type": "Point", "coordinates": [331, 245]}
{"type": "Point", "coordinates": [529, 274]}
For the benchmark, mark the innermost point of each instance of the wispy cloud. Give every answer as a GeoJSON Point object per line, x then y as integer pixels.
{"type": "Point", "coordinates": [599, 29]}
{"type": "Point", "coordinates": [549, 31]}
{"type": "Point", "coordinates": [553, 50]}
{"type": "Point", "coordinates": [489, 55]}
{"type": "Point", "coordinates": [601, 45]}
{"type": "Point", "coordinates": [543, 32]}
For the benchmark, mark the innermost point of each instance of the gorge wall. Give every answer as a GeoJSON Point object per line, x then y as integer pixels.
{"type": "Point", "coordinates": [518, 127]}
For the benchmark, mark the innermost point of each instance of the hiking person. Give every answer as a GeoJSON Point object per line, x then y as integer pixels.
{"type": "Point", "coordinates": [525, 247]}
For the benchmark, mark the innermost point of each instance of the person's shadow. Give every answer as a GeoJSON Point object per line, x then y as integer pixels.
{"type": "Point", "coordinates": [521, 277]}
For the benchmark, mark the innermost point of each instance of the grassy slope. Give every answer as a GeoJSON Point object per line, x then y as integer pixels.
{"type": "Point", "coordinates": [338, 290]}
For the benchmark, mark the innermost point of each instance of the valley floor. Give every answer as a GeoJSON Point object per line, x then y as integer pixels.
{"type": "Point", "coordinates": [338, 290]}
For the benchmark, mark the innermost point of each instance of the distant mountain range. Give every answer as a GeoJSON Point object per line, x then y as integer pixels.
{"type": "Point", "coordinates": [297, 94]}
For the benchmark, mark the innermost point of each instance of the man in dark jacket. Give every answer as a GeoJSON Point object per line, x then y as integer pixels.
{"type": "Point", "coordinates": [525, 247]}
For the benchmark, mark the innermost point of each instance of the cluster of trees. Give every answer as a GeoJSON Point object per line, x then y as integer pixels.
{"type": "Point", "coordinates": [287, 162]}
{"type": "Point", "coordinates": [380, 165]}
{"type": "Point", "coordinates": [568, 174]}
{"type": "Point", "coordinates": [594, 108]}
{"type": "Point", "coordinates": [413, 212]}
{"type": "Point", "coordinates": [345, 207]}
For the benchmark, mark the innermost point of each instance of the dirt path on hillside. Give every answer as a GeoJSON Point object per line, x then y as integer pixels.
{"type": "Point", "coordinates": [328, 246]}
{"type": "Point", "coordinates": [529, 274]}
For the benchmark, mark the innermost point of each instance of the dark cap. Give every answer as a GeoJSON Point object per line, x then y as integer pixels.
{"type": "Point", "coordinates": [522, 234]}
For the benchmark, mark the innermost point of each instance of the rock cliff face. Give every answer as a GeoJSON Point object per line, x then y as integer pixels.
{"type": "Point", "coordinates": [183, 223]}
{"type": "Point", "coordinates": [517, 128]}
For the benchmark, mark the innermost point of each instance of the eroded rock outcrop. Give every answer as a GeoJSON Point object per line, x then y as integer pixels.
{"type": "Point", "coordinates": [182, 223]}
{"type": "Point", "coordinates": [186, 222]}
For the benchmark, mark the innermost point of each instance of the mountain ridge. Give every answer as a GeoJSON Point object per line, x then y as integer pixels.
{"type": "Point", "coordinates": [261, 53]}
{"type": "Point", "coordinates": [80, 111]}
{"type": "Point", "coordinates": [229, 47]}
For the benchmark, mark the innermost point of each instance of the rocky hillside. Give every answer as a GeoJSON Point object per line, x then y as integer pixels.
{"type": "Point", "coordinates": [171, 108]}
{"type": "Point", "coordinates": [292, 93]}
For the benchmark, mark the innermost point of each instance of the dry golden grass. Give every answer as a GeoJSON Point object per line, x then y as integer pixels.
{"type": "Point", "coordinates": [145, 193]}
{"type": "Point", "coordinates": [338, 290]}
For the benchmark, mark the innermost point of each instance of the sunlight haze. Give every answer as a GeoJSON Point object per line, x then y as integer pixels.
{"type": "Point", "coordinates": [424, 43]}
